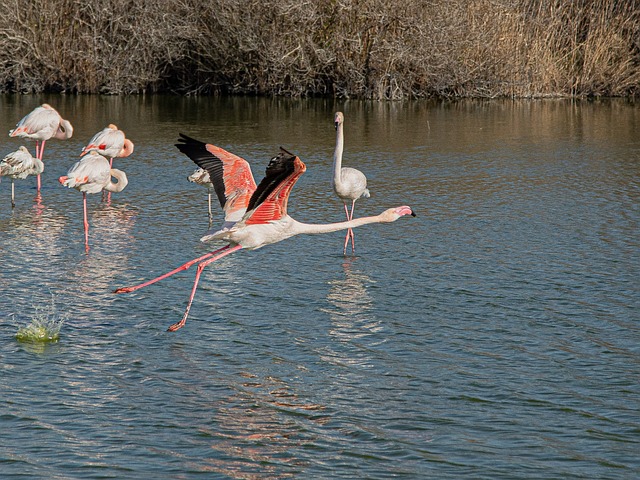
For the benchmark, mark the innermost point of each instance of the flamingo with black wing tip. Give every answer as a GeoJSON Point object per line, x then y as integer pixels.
{"type": "Point", "coordinates": [20, 164]}
{"type": "Point", "coordinates": [348, 183]}
{"type": "Point", "coordinates": [255, 216]}
{"type": "Point", "coordinates": [43, 123]}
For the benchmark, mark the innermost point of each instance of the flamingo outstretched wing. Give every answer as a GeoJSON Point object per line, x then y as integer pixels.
{"type": "Point", "coordinates": [230, 174]}
{"type": "Point", "coordinates": [269, 201]}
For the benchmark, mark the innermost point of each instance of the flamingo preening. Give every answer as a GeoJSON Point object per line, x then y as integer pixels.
{"type": "Point", "coordinates": [201, 177]}
{"type": "Point", "coordinates": [348, 183]}
{"type": "Point", "coordinates": [92, 174]}
{"type": "Point", "coordinates": [111, 143]}
{"type": "Point", "coordinates": [20, 164]}
{"type": "Point", "coordinates": [255, 216]}
{"type": "Point", "coordinates": [43, 123]}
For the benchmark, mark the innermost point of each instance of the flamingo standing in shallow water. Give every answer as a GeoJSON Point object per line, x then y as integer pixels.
{"type": "Point", "coordinates": [92, 174]}
{"type": "Point", "coordinates": [20, 164]}
{"type": "Point", "coordinates": [43, 123]}
{"type": "Point", "coordinates": [110, 142]}
{"type": "Point", "coordinates": [348, 183]}
{"type": "Point", "coordinates": [254, 216]}
{"type": "Point", "coordinates": [201, 177]}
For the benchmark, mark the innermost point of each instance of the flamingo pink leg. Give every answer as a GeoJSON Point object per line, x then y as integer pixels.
{"type": "Point", "coordinates": [350, 230]}
{"type": "Point", "coordinates": [105, 194]}
{"type": "Point", "coordinates": [182, 267]}
{"type": "Point", "coordinates": [86, 221]}
{"type": "Point", "coordinates": [222, 253]}
{"type": "Point", "coordinates": [39, 152]}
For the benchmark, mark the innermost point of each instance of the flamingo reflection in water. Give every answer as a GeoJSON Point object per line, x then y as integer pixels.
{"type": "Point", "coordinates": [255, 215]}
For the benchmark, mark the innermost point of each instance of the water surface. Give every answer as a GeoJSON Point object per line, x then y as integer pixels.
{"type": "Point", "coordinates": [494, 336]}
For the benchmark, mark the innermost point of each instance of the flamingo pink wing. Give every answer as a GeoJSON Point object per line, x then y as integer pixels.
{"type": "Point", "coordinates": [269, 202]}
{"type": "Point", "coordinates": [230, 174]}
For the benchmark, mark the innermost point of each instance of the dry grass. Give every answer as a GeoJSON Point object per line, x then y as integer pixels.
{"type": "Point", "coordinates": [378, 49]}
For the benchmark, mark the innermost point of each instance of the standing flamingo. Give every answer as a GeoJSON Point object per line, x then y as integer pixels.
{"type": "Point", "coordinates": [111, 143]}
{"type": "Point", "coordinates": [20, 164]}
{"type": "Point", "coordinates": [201, 177]}
{"type": "Point", "coordinates": [348, 183]}
{"type": "Point", "coordinates": [43, 123]}
{"type": "Point", "coordinates": [254, 216]}
{"type": "Point", "coordinates": [92, 174]}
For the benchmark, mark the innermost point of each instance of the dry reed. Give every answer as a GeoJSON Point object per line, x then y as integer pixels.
{"type": "Point", "coordinates": [378, 49]}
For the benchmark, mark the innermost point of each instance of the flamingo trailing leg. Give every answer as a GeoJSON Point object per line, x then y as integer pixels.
{"type": "Point", "coordinates": [255, 216]}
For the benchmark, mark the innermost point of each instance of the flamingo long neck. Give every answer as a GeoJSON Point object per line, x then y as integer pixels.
{"type": "Point", "coordinates": [310, 228]}
{"type": "Point", "coordinates": [337, 154]}
{"type": "Point", "coordinates": [121, 177]}
{"type": "Point", "coordinates": [127, 149]}
{"type": "Point", "coordinates": [64, 131]}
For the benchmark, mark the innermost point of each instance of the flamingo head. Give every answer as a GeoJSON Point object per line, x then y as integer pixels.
{"type": "Point", "coordinates": [338, 119]}
{"type": "Point", "coordinates": [392, 214]}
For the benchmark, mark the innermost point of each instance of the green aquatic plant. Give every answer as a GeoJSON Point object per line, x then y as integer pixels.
{"type": "Point", "coordinates": [44, 327]}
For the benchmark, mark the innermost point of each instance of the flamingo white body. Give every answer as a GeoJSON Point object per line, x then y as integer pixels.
{"type": "Point", "coordinates": [20, 164]}
{"type": "Point", "coordinates": [111, 143]}
{"type": "Point", "coordinates": [255, 216]}
{"type": "Point", "coordinates": [42, 124]}
{"type": "Point", "coordinates": [201, 177]}
{"type": "Point", "coordinates": [93, 174]}
{"type": "Point", "coordinates": [349, 184]}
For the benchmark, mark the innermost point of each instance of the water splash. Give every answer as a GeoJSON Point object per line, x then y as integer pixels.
{"type": "Point", "coordinates": [44, 327]}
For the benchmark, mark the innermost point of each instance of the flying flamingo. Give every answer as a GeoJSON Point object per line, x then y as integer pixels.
{"type": "Point", "coordinates": [92, 174]}
{"type": "Point", "coordinates": [20, 164]}
{"type": "Point", "coordinates": [254, 216]}
{"type": "Point", "coordinates": [201, 177]}
{"type": "Point", "coordinates": [43, 123]}
{"type": "Point", "coordinates": [111, 143]}
{"type": "Point", "coordinates": [348, 183]}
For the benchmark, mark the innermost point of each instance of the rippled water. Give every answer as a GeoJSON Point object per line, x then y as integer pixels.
{"type": "Point", "coordinates": [496, 335]}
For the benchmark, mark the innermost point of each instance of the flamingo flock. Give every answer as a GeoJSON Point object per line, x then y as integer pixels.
{"type": "Point", "coordinates": [255, 215]}
{"type": "Point", "coordinates": [89, 175]}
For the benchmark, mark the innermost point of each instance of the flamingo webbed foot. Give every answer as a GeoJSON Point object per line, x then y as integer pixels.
{"type": "Point", "coordinates": [177, 326]}
{"type": "Point", "coordinates": [124, 290]}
